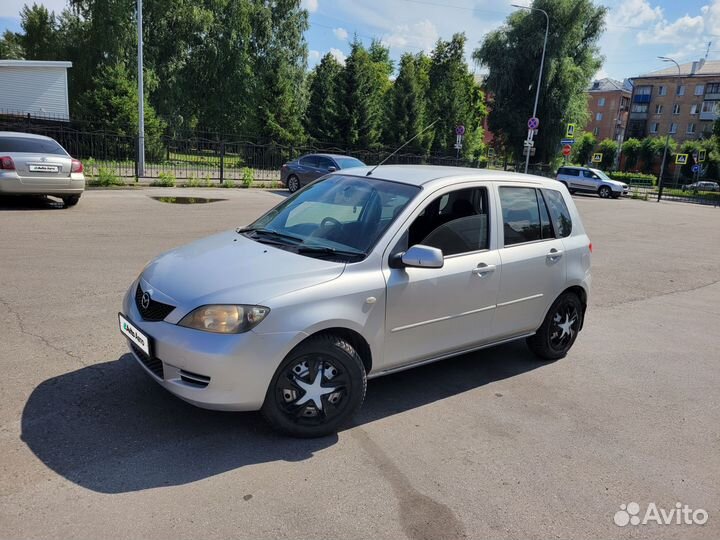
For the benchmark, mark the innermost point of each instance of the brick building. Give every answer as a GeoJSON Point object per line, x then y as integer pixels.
{"type": "Point", "coordinates": [608, 103]}
{"type": "Point", "coordinates": [685, 105]}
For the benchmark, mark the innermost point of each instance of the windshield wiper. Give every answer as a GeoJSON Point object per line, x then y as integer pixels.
{"type": "Point", "coordinates": [265, 234]}
{"type": "Point", "coordinates": [325, 250]}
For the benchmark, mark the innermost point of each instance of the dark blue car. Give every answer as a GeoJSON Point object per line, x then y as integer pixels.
{"type": "Point", "coordinates": [305, 169]}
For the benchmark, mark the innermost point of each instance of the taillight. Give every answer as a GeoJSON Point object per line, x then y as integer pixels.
{"type": "Point", "coordinates": [7, 163]}
{"type": "Point", "coordinates": [590, 246]}
{"type": "Point", "coordinates": [77, 166]}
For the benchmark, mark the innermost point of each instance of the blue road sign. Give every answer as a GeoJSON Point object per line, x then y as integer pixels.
{"type": "Point", "coordinates": [567, 141]}
{"type": "Point", "coordinates": [695, 168]}
{"type": "Point", "coordinates": [533, 123]}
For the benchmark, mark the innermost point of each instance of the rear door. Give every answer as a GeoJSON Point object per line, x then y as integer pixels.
{"type": "Point", "coordinates": [307, 170]}
{"type": "Point", "coordinates": [533, 260]}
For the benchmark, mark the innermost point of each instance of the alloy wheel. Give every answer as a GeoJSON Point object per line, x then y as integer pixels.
{"type": "Point", "coordinates": [564, 327]}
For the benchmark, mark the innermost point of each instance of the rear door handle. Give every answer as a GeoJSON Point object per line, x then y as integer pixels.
{"type": "Point", "coordinates": [554, 254]}
{"type": "Point", "coordinates": [483, 269]}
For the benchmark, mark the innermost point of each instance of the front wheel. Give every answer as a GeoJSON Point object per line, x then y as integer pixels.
{"type": "Point", "coordinates": [560, 328]}
{"type": "Point", "coordinates": [317, 388]}
{"type": "Point", "coordinates": [71, 200]}
{"type": "Point", "coordinates": [604, 192]}
{"type": "Point", "coordinates": [293, 183]}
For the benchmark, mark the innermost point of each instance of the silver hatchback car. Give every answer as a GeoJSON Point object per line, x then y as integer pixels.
{"type": "Point", "coordinates": [37, 165]}
{"type": "Point", "coordinates": [356, 276]}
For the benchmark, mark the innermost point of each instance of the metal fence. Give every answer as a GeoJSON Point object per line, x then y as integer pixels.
{"type": "Point", "coordinates": [200, 158]}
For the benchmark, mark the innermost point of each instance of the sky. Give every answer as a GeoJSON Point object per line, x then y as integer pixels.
{"type": "Point", "coordinates": [638, 31]}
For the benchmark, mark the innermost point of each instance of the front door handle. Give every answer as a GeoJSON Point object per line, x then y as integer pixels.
{"type": "Point", "coordinates": [483, 269]}
{"type": "Point", "coordinates": [554, 254]}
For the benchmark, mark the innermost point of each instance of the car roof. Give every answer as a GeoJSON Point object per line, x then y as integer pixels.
{"type": "Point", "coordinates": [419, 175]}
{"type": "Point", "coordinates": [330, 156]}
{"type": "Point", "coordinates": [21, 135]}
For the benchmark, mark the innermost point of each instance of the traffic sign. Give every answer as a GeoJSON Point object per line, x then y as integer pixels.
{"type": "Point", "coordinates": [570, 131]}
{"type": "Point", "coordinates": [460, 130]}
{"type": "Point", "coordinates": [695, 168]}
{"type": "Point", "coordinates": [533, 123]}
{"type": "Point", "coordinates": [566, 150]}
{"type": "Point", "coordinates": [681, 159]}
{"type": "Point", "coordinates": [525, 151]}
{"type": "Point", "coordinates": [701, 156]}
{"type": "Point", "coordinates": [597, 157]}
{"type": "Point", "coordinates": [567, 141]}
{"type": "Point", "coordinates": [529, 143]}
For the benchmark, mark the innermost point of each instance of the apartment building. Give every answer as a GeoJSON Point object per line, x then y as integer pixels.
{"type": "Point", "coordinates": [685, 105]}
{"type": "Point", "coordinates": [609, 104]}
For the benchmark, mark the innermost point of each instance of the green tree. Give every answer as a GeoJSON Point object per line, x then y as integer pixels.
{"type": "Point", "coordinates": [583, 148]}
{"type": "Point", "coordinates": [631, 152]}
{"type": "Point", "coordinates": [408, 103]}
{"type": "Point", "coordinates": [114, 100]}
{"type": "Point", "coordinates": [512, 56]}
{"type": "Point", "coordinates": [653, 147]}
{"type": "Point", "coordinates": [454, 98]}
{"type": "Point", "coordinates": [609, 150]}
{"type": "Point", "coordinates": [39, 39]}
{"type": "Point", "coordinates": [323, 114]}
{"type": "Point", "coordinates": [10, 46]}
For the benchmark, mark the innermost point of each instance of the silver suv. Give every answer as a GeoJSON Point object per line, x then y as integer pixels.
{"type": "Point", "coordinates": [588, 180]}
{"type": "Point", "coordinates": [356, 276]}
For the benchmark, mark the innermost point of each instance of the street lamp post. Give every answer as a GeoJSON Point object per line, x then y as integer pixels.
{"type": "Point", "coordinates": [542, 63]}
{"type": "Point", "coordinates": [667, 138]}
{"type": "Point", "coordinates": [141, 95]}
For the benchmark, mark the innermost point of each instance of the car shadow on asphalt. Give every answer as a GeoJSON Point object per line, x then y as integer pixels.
{"type": "Point", "coordinates": [30, 202]}
{"type": "Point", "coordinates": [109, 428]}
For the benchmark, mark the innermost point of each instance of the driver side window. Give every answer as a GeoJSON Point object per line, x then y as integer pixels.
{"type": "Point", "coordinates": [455, 222]}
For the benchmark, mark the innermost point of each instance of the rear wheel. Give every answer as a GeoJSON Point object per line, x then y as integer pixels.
{"type": "Point", "coordinates": [560, 328]}
{"type": "Point", "coordinates": [71, 200]}
{"type": "Point", "coordinates": [293, 183]}
{"type": "Point", "coordinates": [604, 192]}
{"type": "Point", "coordinates": [317, 389]}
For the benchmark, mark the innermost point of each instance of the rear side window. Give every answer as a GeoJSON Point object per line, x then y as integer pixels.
{"type": "Point", "coordinates": [309, 161]}
{"type": "Point", "coordinates": [34, 146]}
{"type": "Point", "coordinates": [572, 172]}
{"type": "Point", "coordinates": [558, 212]}
{"type": "Point", "coordinates": [521, 215]}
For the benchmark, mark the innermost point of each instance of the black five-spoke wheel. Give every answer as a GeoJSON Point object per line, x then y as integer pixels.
{"type": "Point", "coordinates": [317, 388]}
{"type": "Point", "coordinates": [559, 329]}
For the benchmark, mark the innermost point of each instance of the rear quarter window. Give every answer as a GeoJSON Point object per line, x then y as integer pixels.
{"type": "Point", "coordinates": [559, 212]}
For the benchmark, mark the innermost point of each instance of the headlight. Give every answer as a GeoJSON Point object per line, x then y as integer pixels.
{"type": "Point", "coordinates": [223, 319]}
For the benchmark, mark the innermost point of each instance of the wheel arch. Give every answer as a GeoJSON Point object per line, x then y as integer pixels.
{"type": "Point", "coordinates": [354, 338]}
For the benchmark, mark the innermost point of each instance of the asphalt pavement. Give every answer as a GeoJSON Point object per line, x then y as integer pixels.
{"type": "Point", "coordinates": [490, 445]}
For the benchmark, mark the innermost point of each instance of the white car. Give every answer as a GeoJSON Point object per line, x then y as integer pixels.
{"type": "Point", "coordinates": [360, 274]}
{"type": "Point", "coordinates": [587, 180]}
{"type": "Point", "coordinates": [37, 165]}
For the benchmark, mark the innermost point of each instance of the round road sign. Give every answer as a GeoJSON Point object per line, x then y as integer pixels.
{"type": "Point", "coordinates": [566, 150]}
{"type": "Point", "coordinates": [460, 130]}
{"type": "Point", "coordinates": [695, 168]}
{"type": "Point", "coordinates": [533, 123]}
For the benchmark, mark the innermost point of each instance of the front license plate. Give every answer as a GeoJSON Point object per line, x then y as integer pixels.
{"type": "Point", "coordinates": [136, 336]}
{"type": "Point", "coordinates": [44, 168]}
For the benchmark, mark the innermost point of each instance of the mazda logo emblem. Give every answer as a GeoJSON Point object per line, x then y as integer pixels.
{"type": "Point", "coordinates": [145, 301]}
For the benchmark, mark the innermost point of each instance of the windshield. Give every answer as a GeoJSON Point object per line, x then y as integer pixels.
{"type": "Point", "coordinates": [30, 145]}
{"type": "Point", "coordinates": [339, 217]}
{"type": "Point", "coordinates": [348, 162]}
{"type": "Point", "coordinates": [601, 174]}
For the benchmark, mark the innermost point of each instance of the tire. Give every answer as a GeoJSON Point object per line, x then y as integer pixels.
{"type": "Point", "coordinates": [293, 183]}
{"type": "Point", "coordinates": [71, 200]}
{"type": "Point", "coordinates": [331, 359]}
{"type": "Point", "coordinates": [604, 192]}
{"type": "Point", "coordinates": [546, 343]}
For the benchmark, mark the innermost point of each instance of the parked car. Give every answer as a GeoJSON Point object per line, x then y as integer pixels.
{"type": "Point", "coordinates": [587, 180]}
{"type": "Point", "coordinates": [355, 277]}
{"type": "Point", "coordinates": [37, 165]}
{"type": "Point", "coordinates": [702, 186]}
{"type": "Point", "coordinates": [305, 169]}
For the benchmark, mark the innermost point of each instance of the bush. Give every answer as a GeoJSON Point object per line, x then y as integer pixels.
{"type": "Point", "coordinates": [165, 179]}
{"type": "Point", "coordinates": [106, 177]}
{"type": "Point", "coordinates": [247, 177]}
{"type": "Point", "coordinates": [206, 182]}
{"type": "Point", "coordinates": [228, 184]}
{"type": "Point", "coordinates": [628, 177]}
{"type": "Point", "coordinates": [192, 182]}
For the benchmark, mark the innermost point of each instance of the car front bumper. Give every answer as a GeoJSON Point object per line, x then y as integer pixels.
{"type": "Point", "coordinates": [12, 184]}
{"type": "Point", "coordinates": [214, 371]}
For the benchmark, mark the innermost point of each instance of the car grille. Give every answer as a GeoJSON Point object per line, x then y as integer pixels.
{"type": "Point", "coordinates": [155, 311]}
{"type": "Point", "coordinates": [153, 364]}
{"type": "Point", "coordinates": [201, 381]}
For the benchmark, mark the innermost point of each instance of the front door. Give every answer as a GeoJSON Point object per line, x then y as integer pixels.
{"type": "Point", "coordinates": [434, 311]}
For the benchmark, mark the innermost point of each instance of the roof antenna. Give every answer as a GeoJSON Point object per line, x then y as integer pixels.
{"type": "Point", "coordinates": [403, 146]}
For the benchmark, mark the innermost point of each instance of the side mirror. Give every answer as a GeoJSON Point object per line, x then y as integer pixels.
{"type": "Point", "coordinates": [420, 256]}
{"type": "Point", "coordinates": [332, 169]}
